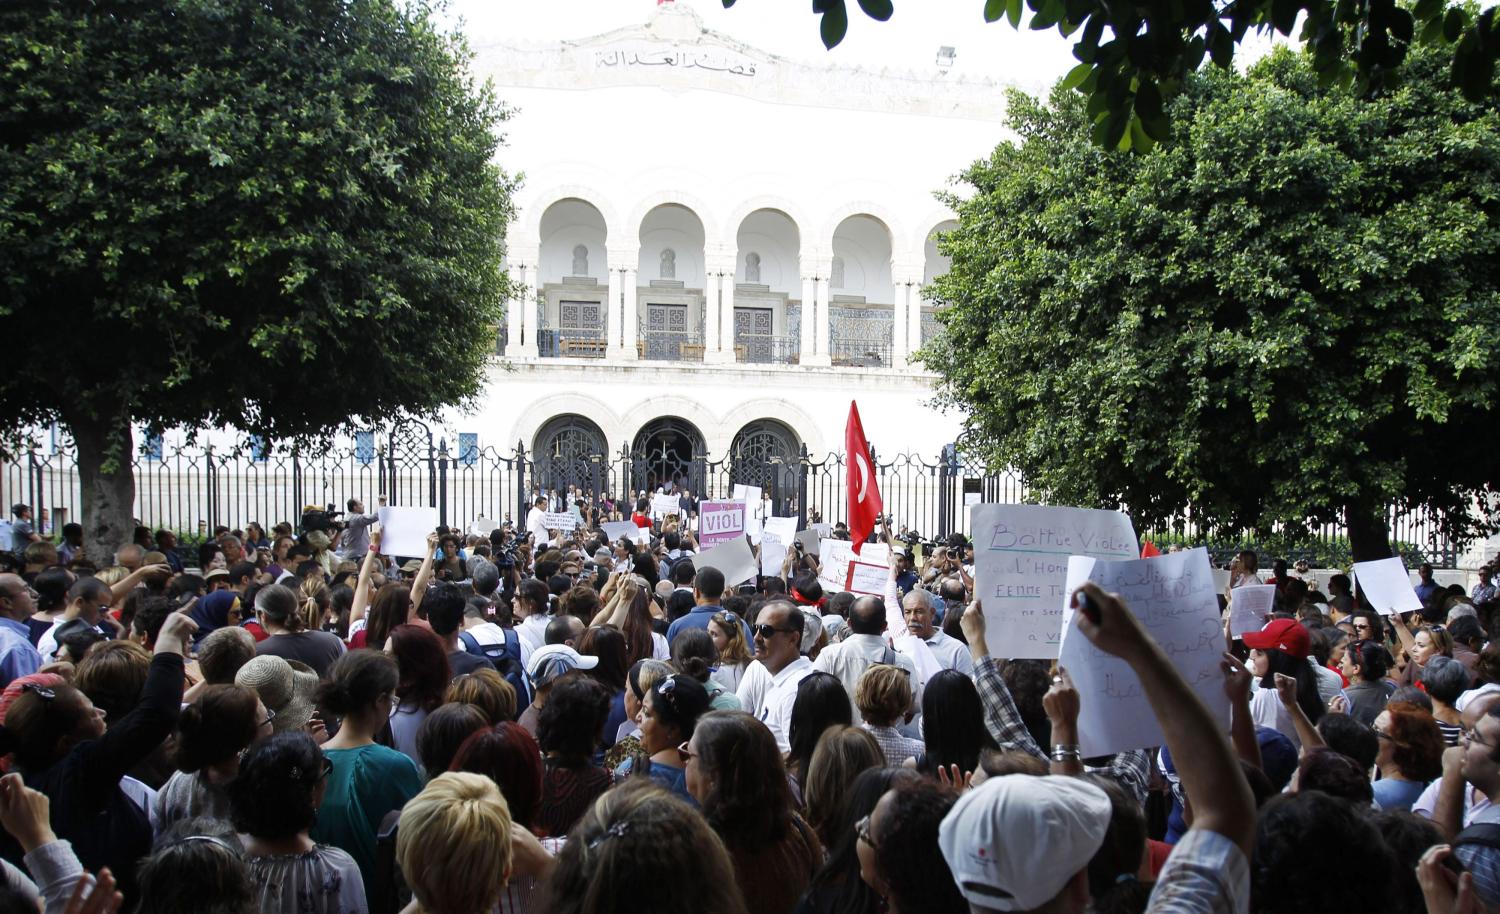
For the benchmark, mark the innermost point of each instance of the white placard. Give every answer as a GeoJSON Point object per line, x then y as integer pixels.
{"type": "Point", "coordinates": [834, 557]}
{"type": "Point", "coordinates": [404, 529]}
{"type": "Point", "coordinates": [867, 579]}
{"type": "Point", "coordinates": [1221, 580]}
{"type": "Point", "coordinates": [751, 496]}
{"type": "Point", "coordinates": [720, 521]}
{"type": "Point", "coordinates": [973, 499]}
{"type": "Point", "coordinates": [1249, 606]}
{"type": "Point", "coordinates": [809, 540]}
{"type": "Point", "coordinates": [733, 557]}
{"type": "Point", "coordinates": [665, 505]}
{"type": "Point", "coordinates": [616, 529]}
{"type": "Point", "coordinates": [824, 530]}
{"type": "Point", "coordinates": [1173, 597]}
{"type": "Point", "coordinates": [776, 537]}
{"type": "Point", "coordinates": [483, 526]}
{"type": "Point", "coordinates": [1386, 584]}
{"type": "Point", "coordinates": [1021, 564]}
{"type": "Point", "coordinates": [562, 521]}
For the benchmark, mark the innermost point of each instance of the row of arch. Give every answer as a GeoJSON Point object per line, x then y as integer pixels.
{"type": "Point", "coordinates": [572, 450]}
{"type": "Point", "coordinates": [863, 253]}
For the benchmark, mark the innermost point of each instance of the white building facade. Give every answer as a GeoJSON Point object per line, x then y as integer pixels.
{"type": "Point", "coordinates": [717, 248]}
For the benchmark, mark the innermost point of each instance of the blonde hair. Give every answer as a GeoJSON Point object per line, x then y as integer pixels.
{"type": "Point", "coordinates": [735, 651]}
{"type": "Point", "coordinates": [112, 575]}
{"type": "Point", "coordinates": [453, 844]}
{"type": "Point", "coordinates": [883, 694]}
{"type": "Point", "coordinates": [314, 599]}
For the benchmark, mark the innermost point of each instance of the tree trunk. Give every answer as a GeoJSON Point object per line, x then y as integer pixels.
{"type": "Point", "coordinates": [1369, 534]}
{"type": "Point", "coordinates": [107, 482]}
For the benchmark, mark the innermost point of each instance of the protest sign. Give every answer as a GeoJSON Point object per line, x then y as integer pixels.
{"type": "Point", "coordinates": [720, 521]}
{"type": "Point", "coordinates": [1221, 580]}
{"type": "Point", "coordinates": [1387, 585]}
{"type": "Point", "coordinates": [483, 526]}
{"type": "Point", "coordinates": [563, 521]}
{"type": "Point", "coordinates": [1173, 597]}
{"type": "Point", "coordinates": [665, 506]}
{"type": "Point", "coordinates": [867, 579]}
{"type": "Point", "coordinates": [618, 529]}
{"type": "Point", "coordinates": [751, 496]}
{"type": "Point", "coordinates": [834, 557]}
{"type": "Point", "coordinates": [824, 530]}
{"type": "Point", "coordinates": [1249, 606]}
{"type": "Point", "coordinates": [733, 557]}
{"type": "Point", "coordinates": [776, 537]}
{"type": "Point", "coordinates": [404, 529]}
{"type": "Point", "coordinates": [1021, 564]}
{"type": "Point", "coordinates": [809, 540]}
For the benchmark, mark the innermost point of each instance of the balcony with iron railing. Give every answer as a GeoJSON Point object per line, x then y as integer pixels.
{"type": "Point", "coordinates": [578, 344]}
{"type": "Point", "coordinates": [670, 346]}
{"type": "Point", "coordinates": [769, 350]}
{"type": "Point", "coordinates": [860, 353]}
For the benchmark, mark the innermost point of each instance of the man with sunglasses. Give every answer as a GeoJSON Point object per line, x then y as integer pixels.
{"type": "Point", "coordinates": [770, 686]}
{"type": "Point", "coordinates": [1475, 761]}
{"type": "Point", "coordinates": [17, 656]}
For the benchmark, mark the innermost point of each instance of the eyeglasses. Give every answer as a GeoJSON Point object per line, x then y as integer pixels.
{"type": "Point", "coordinates": [684, 753]}
{"type": "Point", "coordinates": [1381, 734]}
{"type": "Point", "coordinates": [765, 631]}
{"type": "Point", "coordinates": [270, 716]}
{"type": "Point", "coordinates": [862, 830]}
{"type": "Point", "coordinates": [1361, 627]}
{"type": "Point", "coordinates": [667, 688]}
{"type": "Point", "coordinates": [1471, 735]}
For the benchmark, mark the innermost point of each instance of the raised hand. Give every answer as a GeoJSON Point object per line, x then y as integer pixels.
{"type": "Point", "coordinates": [102, 900]}
{"type": "Point", "coordinates": [1107, 622]}
{"type": "Point", "coordinates": [25, 813]}
{"type": "Point", "coordinates": [951, 778]}
{"type": "Point", "coordinates": [1286, 690]}
{"type": "Point", "coordinates": [1236, 679]}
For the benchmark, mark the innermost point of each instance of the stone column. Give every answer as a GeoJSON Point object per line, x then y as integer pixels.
{"type": "Point", "coordinates": [899, 325]}
{"type": "Point", "coordinates": [726, 319]}
{"type": "Point", "coordinates": [513, 313]}
{"type": "Point", "coordinates": [807, 348]}
{"type": "Point", "coordinates": [531, 312]}
{"type": "Point", "coordinates": [630, 319]}
{"type": "Point", "coordinates": [710, 313]}
{"type": "Point", "coordinates": [914, 318]}
{"type": "Point", "coordinates": [821, 324]}
{"type": "Point", "coordinates": [612, 314]}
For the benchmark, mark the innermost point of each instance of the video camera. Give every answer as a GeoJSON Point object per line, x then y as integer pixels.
{"type": "Point", "coordinates": [325, 519]}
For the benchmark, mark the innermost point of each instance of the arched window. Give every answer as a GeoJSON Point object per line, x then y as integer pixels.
{"type": "Point", "coordinates": [570, 451]}
{"type": "Point", "coordinates": [668, 451]}
{"type": "Point", "coordinates": [765, 454]}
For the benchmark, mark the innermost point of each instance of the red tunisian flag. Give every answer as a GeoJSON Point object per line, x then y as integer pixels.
{"type": "Point", "coordinates": [864, 493]}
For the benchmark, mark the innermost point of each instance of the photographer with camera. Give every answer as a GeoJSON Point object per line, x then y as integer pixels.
{"type": "Point", "coordinates": [355, 538]}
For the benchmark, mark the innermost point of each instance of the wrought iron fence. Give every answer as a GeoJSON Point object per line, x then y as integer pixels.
{"type": "Point", "coordinates": [192, 489]}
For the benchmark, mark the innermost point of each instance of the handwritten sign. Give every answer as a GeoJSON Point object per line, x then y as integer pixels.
{"type": "Point", "coordinates": [624, 529]}
{"type": "Point", "coordinates": [1173, 597]}
{"type": "Point", "coordinates": [404, 529]}
{"type": "Point", "coordinates": [834, 557]}
{"type": "Point", "coordinates": [1249, 606]}
{"type": "Point", "coordinates": [1387, 585]}
{"type": "Point", "coordinates": [775, 539]}
{"type": "Point", "coordinates": [867, 579]}
{"type": "Point", "coordinates": [733, 557]}
{"type": "Point", "coordinates": [560, 520]}
{"type": "Point", "coordinates": [1021, 564]}
{"type": "Point", "coordinates": [665, 506]}
{"type": "Point", "coordinates": [720, 521]}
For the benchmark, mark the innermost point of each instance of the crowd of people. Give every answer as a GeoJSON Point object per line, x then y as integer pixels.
{"type": "Point", "coordinates": [291, 720]}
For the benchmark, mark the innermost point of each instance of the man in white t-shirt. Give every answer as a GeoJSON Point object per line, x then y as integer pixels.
{"type": "Point", "coordinates": [536, 525]}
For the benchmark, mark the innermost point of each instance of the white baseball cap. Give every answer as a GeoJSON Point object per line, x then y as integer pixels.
{"type": "Point", "coordinates": [562, 659]}
{"type": "Point", "coordinates": [1013, 842]}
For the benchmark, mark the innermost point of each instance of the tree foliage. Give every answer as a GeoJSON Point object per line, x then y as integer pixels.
{"type": "Point", "coordinates": [1285, 316]}
{"type": "Point", "coordinates": [1133, 56]}
{"type": "Point", "coordinates": [280, 217]}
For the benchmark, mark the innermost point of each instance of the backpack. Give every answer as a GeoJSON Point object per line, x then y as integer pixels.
{"type": "Point", "coordinates": [507, 660]}
{"type": "Point", "coordinates": [1481, 834]}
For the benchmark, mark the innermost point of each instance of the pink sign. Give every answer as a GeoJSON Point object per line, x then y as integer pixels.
{"type": "Point", "coordinates": [719, 521]}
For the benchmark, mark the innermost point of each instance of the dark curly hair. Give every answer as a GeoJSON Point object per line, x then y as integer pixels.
{"type": "Point", "coordinates": [907, 854]}
{"type": "Point", "coordinates": [1295, 829]}
{"type": "Point", "coordinates": [357, 681]}
{"type": "Point", "coordinates": [184, 876]}
{"type": "Point", "coordinates": [216, 726]}
{"type": "Point", "coordinates": [571, 723]}
{"type": "Point", "coordinates": [284, 766]}
{"type": "Point", "coordinates": [1337, 775]}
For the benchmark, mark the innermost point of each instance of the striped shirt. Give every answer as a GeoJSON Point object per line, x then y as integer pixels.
{"type": "Point", "coordinates": [893, 745]}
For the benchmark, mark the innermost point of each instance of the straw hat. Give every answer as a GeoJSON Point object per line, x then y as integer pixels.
{"type": "Point", "coordinates": [286, 688]}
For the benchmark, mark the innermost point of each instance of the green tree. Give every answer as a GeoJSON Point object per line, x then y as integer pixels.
{"type": "Point", "coordinates": [280, 217]}
{"type": "Point", "coordinates": [1287, 315]}
{"type": "Point", "coordinates": [1133, 56]}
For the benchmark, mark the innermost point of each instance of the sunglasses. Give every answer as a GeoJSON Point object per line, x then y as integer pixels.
{"type": "Point", "coordinates": [765, 630]}
{"type": "Point", "coordinates": [728, 617]}
{"type": "Point", "coordinates": [684, 753]}
{"type": "Point", "coordinates": [862, 830]}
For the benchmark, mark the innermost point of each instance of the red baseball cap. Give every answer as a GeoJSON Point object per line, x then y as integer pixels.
{"type": "Point", "coordinates": [1282, 634]}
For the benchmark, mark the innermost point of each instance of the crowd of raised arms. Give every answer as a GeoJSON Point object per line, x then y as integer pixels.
{"type": "Point", "coordinates": [294, 722]}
